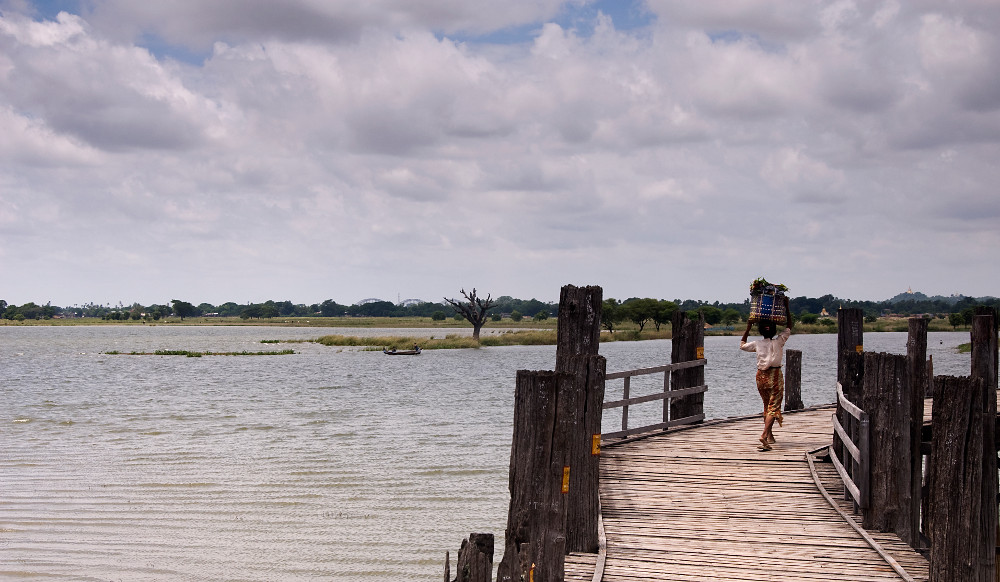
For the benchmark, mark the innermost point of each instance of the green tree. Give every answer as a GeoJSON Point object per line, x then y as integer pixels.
{"type": "Point", "coordinates": [438, 316]}
{"type": "Point", "coordinates": [516, 315]}
{"type": "Point", "coordinates": [640, 311]}
{"type": "Point", "coordinates": [331, 308]}
{"type": "Point", "coordinates": [808, 318]}
{"type": "Point", "coordinates": [730, 316]}
{"type": "Point", "coordinates": [496, 317]}
{"type": "Point", "coordinates": [611, 314]}
{"type": "Point", "coordinates": [956, 319]}
{"type": "Point", "coordinates": [663, 313]}
{"type": "Point", "coordinates": [182, 309]}
{"type": "Point", "coordinates": [541, 315]}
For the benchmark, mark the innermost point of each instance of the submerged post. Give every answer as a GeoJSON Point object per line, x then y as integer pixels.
{"type": "Point", "coordinates": [793, 380]}
{"type": "Point", "coordinates": [475, 559]}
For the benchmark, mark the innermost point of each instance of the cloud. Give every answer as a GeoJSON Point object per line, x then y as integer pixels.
{"type": "Point", "coordinates": [349, 150]}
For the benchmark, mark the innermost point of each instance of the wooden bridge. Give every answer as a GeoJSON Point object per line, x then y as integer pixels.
{"type": "Point", "coordinates": [674, 501]}
{"type": "Point", "coordinates": [701, 503]}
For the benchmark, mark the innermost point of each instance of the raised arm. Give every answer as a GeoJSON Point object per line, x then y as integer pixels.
{"type": "Point", "coordinates": [747, 332]}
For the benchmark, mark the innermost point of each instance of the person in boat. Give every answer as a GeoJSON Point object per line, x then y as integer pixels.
{"type": "Point", "coordinates": [770, 383]}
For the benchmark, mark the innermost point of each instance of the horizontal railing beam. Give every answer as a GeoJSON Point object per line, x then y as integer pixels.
{"type": "Point", "coordinates": [848, 482]}
{"type": "Point", "coordinates": [846, 439]}
{"type": "Point", "coordinates": [652, 427]}
{"type": "Point", "coordinates": [846, 404]}
{"type": "Point", "coordinates": [656, 396]}
{"type": "Point", "coordinates": [656, 369]}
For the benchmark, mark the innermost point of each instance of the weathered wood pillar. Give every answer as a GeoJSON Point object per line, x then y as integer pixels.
{"type": "Point", "coordinates": [793, 380]}
{"type": "Point", "coordinates": [984, 368]}
{"type": "Point", "coordinates": [578, 331]}
{"type": "Point", "coordinates": [850, 335]}
{"type": "Point", "coordinates": [475, 559]}
{"type": "Point", "coordinates": [887, 400]}
{"type": "Point", "coordinates": [577, 344]}
{"type": "Point", "coordinates": [916, 369]}
{"type": "Point", "coordinates": [687, 343]}
{"type": "Point", "coordinates": [958, 546]}
{"type": "Point", "coordinates": [583, 499]}
{"type": "Point", "coordinates": [535, 544]}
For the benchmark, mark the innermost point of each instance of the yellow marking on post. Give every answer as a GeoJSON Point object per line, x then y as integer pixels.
{"type": "Point", "coordinates": [595, 444]}
{"type": "Point", "coordinates": [565, 483]}
{"type": "Point", "coordinates": [531, 573]}
{"type": "Point", "coordinates": [859, 348]}
{"type": "Point", "coordinates": [699, 353]}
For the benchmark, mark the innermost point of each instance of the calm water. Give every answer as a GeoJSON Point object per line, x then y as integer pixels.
{"type": "Point", "coordinates": [329, 464]}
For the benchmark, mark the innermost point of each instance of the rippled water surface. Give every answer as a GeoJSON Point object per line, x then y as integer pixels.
{"type": "Point", "coordinates": [329, 464]}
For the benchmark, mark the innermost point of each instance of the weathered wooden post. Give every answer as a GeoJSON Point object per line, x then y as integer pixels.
{"type": "Point", "coordinates": [687, 344]}
{"type": "Point", "coordinates": [475, 559]}
{"type": "Point", "coordinates": [916, 370]}
{"type": "Point", "coordinates": [984, 368]}
{"type": "Point", "coordinates": [578, 340]}
{"type": "Point", "coordinates": [535, 545]}
{"type": "Point", "coordinates": [578, 331]}
{"type": "Point", "coordinates": [850, 335]}
{"type": "Point", "coordinates": [887, 400]}
{"type": "Point", "coordinates": [793, 380]}
{"type": "Point", "coordinates": [959, 547]}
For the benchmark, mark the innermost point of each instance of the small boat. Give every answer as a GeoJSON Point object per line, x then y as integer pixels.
{"type": "Point", "coordinates": [394, 352]}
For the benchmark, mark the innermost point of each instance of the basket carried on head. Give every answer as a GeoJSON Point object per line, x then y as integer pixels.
{"type": "Point", "coordinates": [767, 302]}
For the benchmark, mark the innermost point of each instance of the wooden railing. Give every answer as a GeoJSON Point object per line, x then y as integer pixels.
{"type": "Point", "coordinates": [855, 443]}
{"type": "Point", "coordinates": [666, 396]}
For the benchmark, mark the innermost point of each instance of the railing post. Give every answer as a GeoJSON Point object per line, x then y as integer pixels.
{"type": "Point", "coordinates": [916, 371]}
{"type": "Point", "coordinates": [625, 396]}
{"type": "Point", "coordinates": [793, 380]}
{"type": "Point", "coordinates": [864, 464]}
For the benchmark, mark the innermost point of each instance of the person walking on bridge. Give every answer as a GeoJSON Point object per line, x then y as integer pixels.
{"type": "Point", "coordinates": [770, 383]}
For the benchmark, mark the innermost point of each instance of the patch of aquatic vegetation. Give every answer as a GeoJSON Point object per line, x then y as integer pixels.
{"type": "Point", "coordinates": [270, 341]}
{"type": "Point", "coordinates": [457, 342]}
{"type": "Point", "coordinates": [191, 354]}
{"type": "Point", "coordinates": [448, 342]}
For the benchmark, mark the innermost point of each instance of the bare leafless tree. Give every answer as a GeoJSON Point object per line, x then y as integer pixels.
{"type": "Point", "coordinates": [473, 309]}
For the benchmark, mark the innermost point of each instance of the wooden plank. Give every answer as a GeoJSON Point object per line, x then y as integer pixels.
{"type": "Point", "coordinates": [703, 504]}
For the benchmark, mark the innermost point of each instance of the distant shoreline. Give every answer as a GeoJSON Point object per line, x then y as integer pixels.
{"type": "Point", "coordinates": [623, 332]}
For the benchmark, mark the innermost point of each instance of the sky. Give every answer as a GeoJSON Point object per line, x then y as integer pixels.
{"type": "Point", "coordinates": [306, 150]}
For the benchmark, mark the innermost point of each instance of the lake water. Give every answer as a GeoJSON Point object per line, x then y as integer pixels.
{"type": "Point", "coordinates": [329, 464]}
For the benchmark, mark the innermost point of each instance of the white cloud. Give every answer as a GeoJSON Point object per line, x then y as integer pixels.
{"type": "Point", "coordinates": [365, 139]}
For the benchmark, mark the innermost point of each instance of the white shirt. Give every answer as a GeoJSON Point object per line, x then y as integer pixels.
{"type": "Point", "coordinates": [770, 352]}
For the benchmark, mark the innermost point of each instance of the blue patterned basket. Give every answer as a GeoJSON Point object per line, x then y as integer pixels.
{"type": "Point", "coordinates": [768, 306]}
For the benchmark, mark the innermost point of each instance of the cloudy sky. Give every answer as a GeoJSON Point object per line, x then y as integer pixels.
{"type": "Point", "coordinates": [330, 149]}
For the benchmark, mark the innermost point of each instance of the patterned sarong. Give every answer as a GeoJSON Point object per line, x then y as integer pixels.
{"type": "Point", "coordinates": [771, 385]}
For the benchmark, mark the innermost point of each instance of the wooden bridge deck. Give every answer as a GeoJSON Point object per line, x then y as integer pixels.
{"type": "Point", "coordinates": [704, 504]}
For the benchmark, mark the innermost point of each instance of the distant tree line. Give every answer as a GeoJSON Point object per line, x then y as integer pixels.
{"type": "Point", "coordinates": [640, 311]}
